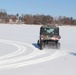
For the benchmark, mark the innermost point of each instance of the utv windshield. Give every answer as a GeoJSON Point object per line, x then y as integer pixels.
{"type": "Point", "coordinates": [50, 31]}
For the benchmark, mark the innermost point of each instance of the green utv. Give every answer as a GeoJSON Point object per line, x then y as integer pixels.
{"type": "Point", "coordinates": [49, 35]}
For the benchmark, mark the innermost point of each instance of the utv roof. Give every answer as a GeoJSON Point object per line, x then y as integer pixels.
{"type": "Point", "coordinates": [49, 26]}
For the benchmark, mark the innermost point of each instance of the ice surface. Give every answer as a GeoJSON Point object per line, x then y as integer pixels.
{"type": "Point", "coordinates": [20, 54]}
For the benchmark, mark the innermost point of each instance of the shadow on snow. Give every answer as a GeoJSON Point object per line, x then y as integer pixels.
{"type": "Point", "coordinates": [72, 53]}
{"type": "Point", "coordinates": [35, 45]}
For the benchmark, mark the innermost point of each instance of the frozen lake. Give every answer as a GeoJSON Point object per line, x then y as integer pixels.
{"type": "Point", "coordinates": [20, 55]}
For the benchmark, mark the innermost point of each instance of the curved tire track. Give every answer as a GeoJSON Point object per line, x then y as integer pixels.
{"type": "Point", "coordinates": [9, 61]}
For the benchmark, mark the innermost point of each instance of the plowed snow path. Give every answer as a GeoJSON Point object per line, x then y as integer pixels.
{"type": "Point", "coordinates": [21, 58]}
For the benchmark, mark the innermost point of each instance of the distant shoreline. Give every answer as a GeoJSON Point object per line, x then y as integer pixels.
{"type": "Point", "coordinates": [30, 24]}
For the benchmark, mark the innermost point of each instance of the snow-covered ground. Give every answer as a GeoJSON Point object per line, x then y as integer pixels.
{"type": "Point", "coordinates": [20, 55]}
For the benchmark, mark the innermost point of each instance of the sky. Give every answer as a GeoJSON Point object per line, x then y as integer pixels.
{"type": "Point", "coordinates": [54, 8]}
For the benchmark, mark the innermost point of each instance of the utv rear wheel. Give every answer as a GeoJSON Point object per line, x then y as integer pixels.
{"type": "Point", "coordinates": [58, 45]}
{"type": "Point", "coordinates": [40, 45]}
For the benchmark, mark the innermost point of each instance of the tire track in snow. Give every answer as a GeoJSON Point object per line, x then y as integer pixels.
{"type": "Point", "coordinates": [20, 49]}
{"type": "Point", "coordinates": [33, 54]}
{"type": "Point", "coordinates": [21, 61]}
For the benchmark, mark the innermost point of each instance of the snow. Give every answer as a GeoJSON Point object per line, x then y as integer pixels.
{"type": "Point", "coordinates": [20, 55]}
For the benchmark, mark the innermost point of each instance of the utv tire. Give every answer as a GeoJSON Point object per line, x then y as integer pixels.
{"type": "Point", "coordinates": [40, 45]}
{"type": "Point", "coordinates": [58, 45]}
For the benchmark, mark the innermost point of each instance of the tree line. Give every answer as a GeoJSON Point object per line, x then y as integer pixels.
{"type": "Point", "coordinates": [35, 19]}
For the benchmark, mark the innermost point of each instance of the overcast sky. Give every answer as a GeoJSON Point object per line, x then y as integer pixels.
{"type": "Point", "coordinates": [47, 7]}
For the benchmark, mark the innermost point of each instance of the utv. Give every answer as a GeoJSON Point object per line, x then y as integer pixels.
{"type": "Point", "coordinates": [49, 35]}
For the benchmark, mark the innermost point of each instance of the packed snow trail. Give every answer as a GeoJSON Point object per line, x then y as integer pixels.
{"type": "Point", "coordinates": [18, 59]}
